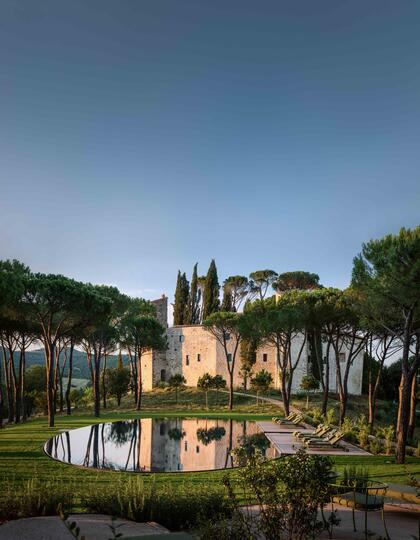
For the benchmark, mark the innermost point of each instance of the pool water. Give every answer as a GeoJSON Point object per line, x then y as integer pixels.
{"type": "Point", "coordinates": [158, 444]}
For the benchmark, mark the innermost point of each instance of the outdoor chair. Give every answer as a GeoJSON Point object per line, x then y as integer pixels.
{"type": "Point", "coordinates": [289, 417]}
{"type": "Point", "coordinates": [297, 420]}
{"type": "Point", "coordinates": [321, 431]}
{"type": "Point", "coordinates": [360, 494]}
{"type": "Point", "coordinates": [326, 443]}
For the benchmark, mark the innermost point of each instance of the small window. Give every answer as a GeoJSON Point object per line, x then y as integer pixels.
{"type": "Point", "coordinates": [265, 357]}
{"type": "Point", "coordinates": [197, 449]}
{"type": "Point", "coordinates": [187, 360]}
{"type": "Point", "coordinates": [162, 429]}
{"type": "Point", "coordinates": [185, 446]}
{"type": "Point", "coordinates": [181, 339]}
{"type": "Point", "coordinates": [342, 357]}
{"type": "Point", "coordinates": [198, 357]}
{"type": "Point", "coordinates": [229, 357]}
{"type": "Point", "coordinates": [163, 375]}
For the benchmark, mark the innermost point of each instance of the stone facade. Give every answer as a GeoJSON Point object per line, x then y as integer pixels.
{"type": "Point", "coordinates": [193, 351]}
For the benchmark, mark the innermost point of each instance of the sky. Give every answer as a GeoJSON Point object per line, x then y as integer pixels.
{"type": "Point", "coordinates": [140, 137]}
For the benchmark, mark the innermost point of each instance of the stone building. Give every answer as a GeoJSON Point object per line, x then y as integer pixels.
{"type": "Point", "coordinates": [193, 351]}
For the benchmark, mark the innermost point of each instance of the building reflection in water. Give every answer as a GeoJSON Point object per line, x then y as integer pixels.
{"type": "Point", "coordinates": [159, 445]}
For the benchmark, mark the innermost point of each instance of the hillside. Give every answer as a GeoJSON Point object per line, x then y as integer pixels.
{"type": "Point", "coordinates": [80, 365]}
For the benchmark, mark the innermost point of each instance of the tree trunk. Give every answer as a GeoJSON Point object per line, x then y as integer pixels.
{"type": "Point", "coordinates": [413, 405]}
{"type": "Point", "coordinates": [104, 380]}
{"type": "Point", "coordinates": [96, 381]}
{"type": "Point", "coordinates": [70, 375]}
{"type": "Point", "coordinates": [404, 393]}
{"type": "Point", "coordinates": [56, 373]}
{"type": "Point", "coordinates": [326, 387]}
{"type": "Point", "coordinates": [49, 358]}
{"type": "Point", "coordinates": [139, 381]}
{"type": "Point", "coordinates": [18, 388]}
{"type": "Point", "coordinates": [22, 386]}
{"type": "Point", "coordinates": [404, 413]}
{"type": "Point", "coordinates": [286, 404]}
{"type": "Point", "coordinates": [1, 400]}
{"type": "Point", "coordinates": [133, 375]}
{"type": "Point", "coordinates": [230, 389]}
{"type": "Point", "coordinates": [9, 393]}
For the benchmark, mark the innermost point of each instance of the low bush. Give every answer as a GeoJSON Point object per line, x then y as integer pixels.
{"type": "Point", "coordinates": [363, 430]}
{"type": "Point", "coordinates": [330, 418]}
{"type": "Point", "coordinates": [375, 446]}
{"type": "Point", "coordinates": [388, 435]}
{"type": "Point", "coordinates": [176, 508]}
{"type": "Point", "coordinates": [288, 493]}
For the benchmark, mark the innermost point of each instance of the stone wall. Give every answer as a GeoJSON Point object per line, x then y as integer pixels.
{"type": "Point", "coordinates": [155, 363]}
{"type": "Point", "coordinates": [193, 351]}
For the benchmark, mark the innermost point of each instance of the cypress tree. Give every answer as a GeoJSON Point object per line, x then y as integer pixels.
{"type": "Point", "coordinates": [120, 361]}
{"type": "Point", "coordinates": [211, 302]}
{"type": "Point", "coordinates": [193, 308]}
{"type": "Point", "coordinates": [181, 298]}
{"type": "Point", "coordinates": [227, 303]}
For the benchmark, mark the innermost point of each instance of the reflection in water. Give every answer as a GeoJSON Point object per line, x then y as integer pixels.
{"type": "Point", "coordinates": [158, 445]}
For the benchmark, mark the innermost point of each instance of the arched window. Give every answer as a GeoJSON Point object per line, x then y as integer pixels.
{"type": "Point", "coordinates": [163, 375]}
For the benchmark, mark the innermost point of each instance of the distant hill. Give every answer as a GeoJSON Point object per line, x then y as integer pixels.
{"type": "Point", "coordinates": [80, 365]}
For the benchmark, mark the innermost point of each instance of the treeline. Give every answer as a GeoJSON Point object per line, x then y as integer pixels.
{"type": "Point", "coordinates": [379, 315]}
{"type": "Point", "coordinates": [62, 314]}
{"type": "Point", "coordinates": [193, 304]}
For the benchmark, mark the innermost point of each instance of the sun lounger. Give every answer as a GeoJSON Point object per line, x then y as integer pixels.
{"type": "Point", "coordinates": [327, 434]}
{"type": "Point", "coordinates": [289, 417]}
{"type": "Point", "coordinates": [326, 443]}
{"type": "Point", "coordinates": [296, 421]}
{"type": "Point", "coordinates": [320, 431]}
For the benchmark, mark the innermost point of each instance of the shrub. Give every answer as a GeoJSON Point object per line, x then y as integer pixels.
{"type": "Point", "coordinates": [176, 508]}
{"type": "Point", "coordinates": [288, 493]}
{"type": "Point", "coordinates": [347, 426]}
{"type": "Point", "coordinates": [363, 431]}
{"type": "Point", "coordinates": [330, 418]}
{"type": "Point", "coordinates": [86, 398]}
{"type": "Point", "coordinates": [36, 498]}
{"type": "Point", "coordinates": [388, 434]}
{"type": "Point", "coordinates": [375, 446]}
{"type": "Point", "coordinates": [316, 414]}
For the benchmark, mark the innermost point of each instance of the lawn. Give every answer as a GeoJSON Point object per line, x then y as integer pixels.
{"type": "Point", "coordinates": [22, 457]}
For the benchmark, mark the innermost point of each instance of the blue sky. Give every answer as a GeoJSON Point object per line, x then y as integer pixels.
{"type": "Point", "coordinates": [140, 137]}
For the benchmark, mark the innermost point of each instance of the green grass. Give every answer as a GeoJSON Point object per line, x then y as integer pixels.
{"type": "Point", "coordinates": [22, 457]}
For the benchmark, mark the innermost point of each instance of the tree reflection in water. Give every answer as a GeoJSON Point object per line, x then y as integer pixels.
{"type": "Point", "coordinates": [120, 432]}
{"type": "Point", "coordinates": [206, 436]}
{"type": "Point", "coordinates": [158, 444]}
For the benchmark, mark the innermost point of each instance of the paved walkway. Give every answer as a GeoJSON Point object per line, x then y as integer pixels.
{"type": "Point", "coordinates": [274, 401]}
{"type": "Point", "coordinates": [401, 524]}
{"type": "Point", "coordinates": [92, 526]}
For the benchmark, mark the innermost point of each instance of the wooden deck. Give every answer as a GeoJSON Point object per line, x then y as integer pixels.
{"type": "Point", "coordinates": [281, 437]}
